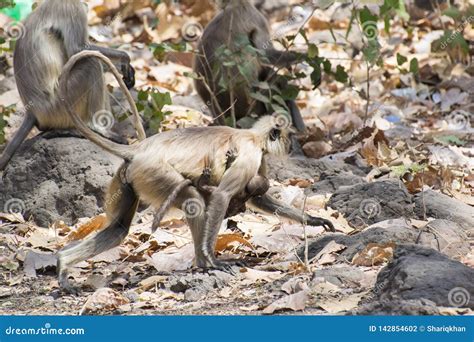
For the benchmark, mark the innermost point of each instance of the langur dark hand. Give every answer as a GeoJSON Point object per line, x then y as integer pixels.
{"type": "Point", "coordinates": [318, 221]}
{"type": "Point", "coordinates": [128, 73]}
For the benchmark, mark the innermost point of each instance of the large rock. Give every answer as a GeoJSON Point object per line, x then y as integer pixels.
{"type": "Point", "coordinates": [397, 308]}
{"type": "Point", "coordinates": [328, 184]}
{"type": "Point", "coordinates": [417, 272]}
{"type": "Point", "coordinates": [442, 235]}
{"type": "Point", "coordinates": [57, 179]}
{"type": "Point", "coordinates": [366, 204]}
{"type": "Point", "coordinates": [440, 206]}
{"type": "Point", "coordinates": [308, 168]}
{"type": "Point", "coordinates": [398, 233]}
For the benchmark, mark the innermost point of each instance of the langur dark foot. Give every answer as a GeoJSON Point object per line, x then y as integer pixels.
{"type": "Point", "coordinates": [128, 73]}
{"type": "Point", "coordinates": [67, 288]}
{"type": "Point", "coordinates": [318, 221]}
{"type": "Point", "coordinates": [227, 266]}
{"type": "Point", "coordinates": [295, 150]}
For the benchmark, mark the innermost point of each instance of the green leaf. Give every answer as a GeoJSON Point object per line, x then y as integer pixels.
{"type": "Point", "coordinates": [312, 50]}
{"type": "Point", "coordinates": [371, 52]}
{"type": "Point", "coordinates": [143, 95]}
{"type": "Point", "coordinates": [260, 97]}
{"type": "Point", "coordinates": [450, 140]}
{"type": "Point", "coordinates": [316, 76]}
{"type": "Point", "coordinates": [280, 100]}
{"type": "Point", "coordinates": [327, 66]}
{"type": "Point", "coordinates": [161, 99]}
{"type": "Point", "coordinates": [366, 17]}
{"type": "Point", "coordinates": [414, 66]}
{"type": "Point", "coordinates": [279, 110]}
{"type": "Point", "coordinates": [341, 74]}
{"type": "Point", "coordinates": [401, 59]}
{"type": "Point", "coordinates": [263, 85]}
{"type": "Point", "coordinates": [290, 92]}
{"type": "Point", "coordinates": [192, 75]}
{"type": "Point", "coordinates": [453, 12]}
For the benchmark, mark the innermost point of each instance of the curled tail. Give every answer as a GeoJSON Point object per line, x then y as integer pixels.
{"type": "Point", "coordinates": [121, 207]}
{"type": "Point", "coordinates": [123, 151]}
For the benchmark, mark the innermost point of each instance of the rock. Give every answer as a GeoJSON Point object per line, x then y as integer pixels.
{"type": "Point", "coordinates": [57, 179]}
{"type": "Point", "coordinates": [446, 237]}
{"type": "Point", "coordinates": [328, 184]}
{"type": "Point", "coordinates": [316, 149]}
{"type": "Point", "coordinates": [38, 262]}
{"type": "Point", "coordinates": [441, 235]}
{"type": "Point", "coordinates": [344, 277]}
{"type": "Point", "coordinates": [398, 232]}
{"type": "Point", "coordinates": [417, 272]}
{"type": "Point", "coordinates": [444, 207]}
{"type": "Point", "coordinates": [196, 285]}
{"type": "Point", "coordinates": [307, 168]}
{"type": "Point", "coordinates": [366, 204]}
{"type": "Point", "coordinates": [397, 308]}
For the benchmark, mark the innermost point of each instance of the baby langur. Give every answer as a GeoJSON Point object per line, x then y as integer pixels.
{"type": "Point", "coordinates": [238, 19]}
{"type": "Point", "coordinates": [53, 32]}
{"type": "Point", "coordinates": [257, 186]}
{"type": "Point", "coordinates": [155, 167]}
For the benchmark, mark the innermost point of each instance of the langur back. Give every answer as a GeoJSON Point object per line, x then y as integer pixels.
{"type": "Point", "coordinates": [237, 21]}
{"type": "Point", "coordinates": [54, 32]}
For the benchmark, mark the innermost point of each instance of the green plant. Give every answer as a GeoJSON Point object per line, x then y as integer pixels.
{"type": "Point", "coordinates": [151, 103]}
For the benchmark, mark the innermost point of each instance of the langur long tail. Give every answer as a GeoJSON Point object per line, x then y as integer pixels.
{"type": "Point", "coordinates": [123, 151]}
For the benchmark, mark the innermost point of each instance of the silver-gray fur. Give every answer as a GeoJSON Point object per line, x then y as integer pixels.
{"type": "Point", "coordinates": [53, 32]}
{"type": "Point", "coordinates": [239, 18]}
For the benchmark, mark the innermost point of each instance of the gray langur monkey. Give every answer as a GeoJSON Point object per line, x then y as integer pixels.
{"type": "Point", "coordinates": [53, 32]}
{"type": "Point", "coordinates": [155, 167]}
{"type": "Point", "coordinates": [240, 18]}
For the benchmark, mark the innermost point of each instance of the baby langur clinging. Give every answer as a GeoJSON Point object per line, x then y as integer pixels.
{"type": "Point", "coordinates": [240, 19]}
{"type": "Point", "coordinates": [54, 32]}
{"type": "Point", "coordinates": [155, 167]}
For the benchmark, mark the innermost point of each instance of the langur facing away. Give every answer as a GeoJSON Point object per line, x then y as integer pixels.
{"type": "Point", "coordinates": [54, 32]}
{"type": "Point", "coordinates": [240, 20]}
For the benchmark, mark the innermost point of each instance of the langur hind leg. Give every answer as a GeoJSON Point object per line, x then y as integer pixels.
{"type": "Point", "coordinates": [28, 123]}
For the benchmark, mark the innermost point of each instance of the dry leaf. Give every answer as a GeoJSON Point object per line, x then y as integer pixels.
{"type": "Point", "coordinates": [152, 281]}
{"type": "Point", "coordinates": [251, 276]}
{"type": "Point", "coordinates": [254, 307]}
{"type": "Point", "coordinates": [13, 218]}
{"type": "Point", "coordinates": [104, 299]}
{"type": "Point", "coordinates": [294, 285]}
{"type": "Point", "coordinates": [324, 256]}
{"type": "Point", "coordinates": [95, 224]}
{"type": "Point", "coordinates": [175, 259]}
{"type": "Point", "coordinates": [337, 305]}
{"type": "Point", "coordinates": [229, 241]}
{"type": "Point", "coordinates": [295, 302]}
{"type": "Point", "coordinates": [374, 254]}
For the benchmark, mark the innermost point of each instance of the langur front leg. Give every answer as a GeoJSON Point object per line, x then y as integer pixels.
{"type": "Point", "coordinates": [123, 60]}
{"type": "Point", "coordinates": [233, 183]}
